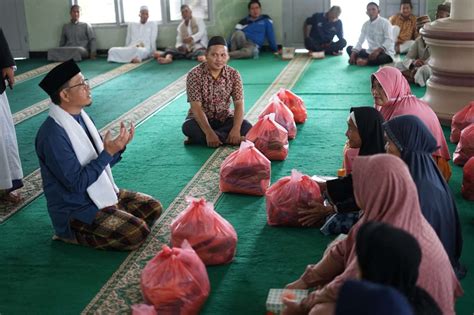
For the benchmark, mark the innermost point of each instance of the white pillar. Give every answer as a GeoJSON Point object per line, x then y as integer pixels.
{"type": "Point", "coordinates": [451, 40]}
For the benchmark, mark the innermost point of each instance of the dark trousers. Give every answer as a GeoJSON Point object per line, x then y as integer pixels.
{"type": "Point", "coordinates": [382, 58]}
{"type": "Point", "coordinates": [192, 130]}
{"type": "Point", "coordinates": [313, 45]}
{"type": "Point", "coordinates": [180, 54]}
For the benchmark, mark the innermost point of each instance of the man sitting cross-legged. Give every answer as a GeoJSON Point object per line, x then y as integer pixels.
{"type": "Point", "coordinates": [140, 42]}
{"type": "Point", "coordinates": [84, 204]}
{"type": "Point", "coordinates": [191, 41]}
{"type": "Point", "coordinates": [209, 88]}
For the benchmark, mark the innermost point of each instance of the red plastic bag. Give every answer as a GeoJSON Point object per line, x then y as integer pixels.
{"type": "Point", "coordinates": [461, 120]}
{"type": "Point", "coordinates": [465, 148]}
{"type": "Point", "coordinates": [175, 281]}
{"type": "Point", "coordinates": [283, 116]}
{"type": "Point", "coordinates": [211, 236]}
{"type": "Point", "coordinates": [295, 104]}
{"type": "Point", "coordinates": [270, 138]}
{"type": "Point", "coordinates": [467, 188]}
{"type": "Point", "coordinates": [288, 195]}
{"type": "Point", "coordinates": [245, 171]}
{"type": "Point", "coordinates": [143, 309]}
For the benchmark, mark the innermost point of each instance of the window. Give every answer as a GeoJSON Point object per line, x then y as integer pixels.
{"type": "Point", "coordinates": [200, 8]}
{"type": "Point", "coordinates": [94, 11]}
{"type": "Point", "coordinates": [131, 9]}
{"type": "Point", "coordinates": [122, 11]}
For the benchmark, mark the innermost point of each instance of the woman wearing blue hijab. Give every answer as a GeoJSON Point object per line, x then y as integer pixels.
{"type": "Point", "coordinates": [410, 139]}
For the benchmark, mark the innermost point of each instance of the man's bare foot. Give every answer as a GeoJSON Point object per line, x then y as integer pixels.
{"type": "Point", "coordinates": [65, 240]}
{"type": "Point", "coordinates": [165, 60]}
{"type": "Point", "coordinates": [157, 54]}
{"type": "Point", "coordinates": [201, 58]}
{"type": "Point", "coordinates": [362, 62]}
{"type": "Point", "coordinates": [13, 197]}
{"type": "Point", "coordinates": [135, 60]}
{"type": "Point", "coordinates": [337, 53]}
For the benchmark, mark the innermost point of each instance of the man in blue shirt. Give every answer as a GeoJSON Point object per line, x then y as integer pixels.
{"type": "Point", "coordinates": [250, 33]}
{"type": "Point", "coordinates": [84, 204]}
{"type": "Point", "coordinates": [320, 29]}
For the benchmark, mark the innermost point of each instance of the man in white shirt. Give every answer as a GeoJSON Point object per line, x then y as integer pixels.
{"type": "Point", "coordinates": [191, 42]}
{"type": "Point", "coordinates": [140, 42]}
{"type": "Point", "coordinates": [378, 33]}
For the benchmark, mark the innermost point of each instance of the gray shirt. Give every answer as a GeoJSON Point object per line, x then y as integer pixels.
{"type": "Point", "coordinates": [78, 34]}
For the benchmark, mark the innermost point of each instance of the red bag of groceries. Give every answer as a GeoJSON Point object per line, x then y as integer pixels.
{"type": "Point", "coordinates": [245, 171]}
{"type": "Point", "coordinates": [461, 120]}
{"type": "Point", "coordinates": [283, 116]}
{"type": "Point", "coordinates": [143, 309]}
{"type": "Point", "coordinates": [465, 148]}
{"type": "Point", "coordinates": [270, 138]}
{"type": "Point", "coordinates": [210, 235]}
{"type": "Point", "coordinates": [295, 104]}
{"type": "Point", "coordinates": [467, 189]}
{"type": "Point", "coordinates": [175, 281]}
{"type": "Point", "coordinates": [289, 195]}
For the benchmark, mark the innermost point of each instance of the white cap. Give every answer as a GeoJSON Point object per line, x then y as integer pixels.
{"type": "Point", "coordinates": [143, 8]}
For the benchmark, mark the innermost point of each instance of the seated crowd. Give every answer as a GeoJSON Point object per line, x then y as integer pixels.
{"type": "Point", "coordinates": [404, 239]}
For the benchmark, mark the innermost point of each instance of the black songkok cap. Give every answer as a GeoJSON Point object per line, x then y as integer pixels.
{"type": "Point", "coordinates": [58, 76]}
{"type": "Point", "coordinates": [216, 40]}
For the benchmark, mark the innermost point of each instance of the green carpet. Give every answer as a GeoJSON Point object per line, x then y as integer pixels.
{"type": "Point", "coordinates": [44, 277]}
{"type": "Point", "coordinates": [28, 92]}
{"type": "Point", "coordinates": [110, 100]}
{"type": "Point", "coordinates": [270, 257]}
{"type": "Point", "coordinates": [26, 65]}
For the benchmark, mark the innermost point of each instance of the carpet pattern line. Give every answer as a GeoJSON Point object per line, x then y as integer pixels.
{"type": "Point", "coordinates": [122, 289]}
{"type": "Point", "coordinates": [35, 72]}
{"type": "Point", "coordinates": [32, 183]}
{"type": "Point", "coordinates": [41, 106]}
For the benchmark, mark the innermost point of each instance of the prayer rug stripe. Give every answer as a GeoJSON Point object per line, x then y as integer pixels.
{"type": "Point", "coordinates": [123, 288]}
{"type": "Point", "coordinates": [34, 73]}
{"type": "Point", "coordinates": [33, 184]}
{"type": "Point", "coordinates": [41, 106]}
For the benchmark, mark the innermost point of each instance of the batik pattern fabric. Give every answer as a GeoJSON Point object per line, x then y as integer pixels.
{"type": "Point", "coordinates": [121, 227]}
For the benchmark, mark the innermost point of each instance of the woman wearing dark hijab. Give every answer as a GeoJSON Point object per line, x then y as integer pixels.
{"type": "Point", "coordinates": [391, 256]}
{"type": "Point", "coordinates": [364, 132]}
{"type": "Point", "coordinates": [410, 139]}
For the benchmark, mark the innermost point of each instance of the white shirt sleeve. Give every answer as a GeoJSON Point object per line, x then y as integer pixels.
{"type": "Point", "coordinates": [362, 37]}
{"type": "Point", "coordinates": [179, 37]}
{"type": "Point", "coordinates": [154, 35]}
{"type": "Point", "coordinates": [128, 39]}
{"type": "Point", "coordinates": [201, 30]}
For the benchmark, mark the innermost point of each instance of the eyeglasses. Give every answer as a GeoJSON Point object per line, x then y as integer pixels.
{"type": "Point", "coordinates": [84, 83]}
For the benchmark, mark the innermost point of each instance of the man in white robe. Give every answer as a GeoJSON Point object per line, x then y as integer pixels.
{"type": "Point", "coordinates": [191, 41]}
{"type": "Point", "coordinates": [10, 166]}
{"type": "Point", "coordinates": [140, 43]}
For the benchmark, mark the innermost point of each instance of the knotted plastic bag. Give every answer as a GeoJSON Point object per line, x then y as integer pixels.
{"type": "Point", "coordinates": [465, 148]}
{"type": "Point", "coordinates": [210, 235]}
{"type": "Point", "coordinates": [270, 138]}
{"type": "Point", "coordinates": [289, 195]}
{"type": "Point", "coordinates": [143, 309]}
{"type": "Point", "coordinates": [245, 171]}
{"type": "Point", "coordinates": [467, 189]}
{"type": "Point", "coordinates": [461, 120]}
{"type": "Point", "coordinates": [175, 281]}
{"type": "Point", "coordinates": [295, 104]}
{"type": "Point", "coordinates": [283, 115]}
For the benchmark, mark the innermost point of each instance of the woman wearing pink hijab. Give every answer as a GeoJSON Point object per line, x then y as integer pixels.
{"type": "Point", "coordinates": [392, 97]}
{"type": "Point", "coordinates": [390, 196]}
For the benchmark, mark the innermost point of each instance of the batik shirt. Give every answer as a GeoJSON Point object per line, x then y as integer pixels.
{"type": "Point", "coordinates": [214, 94]}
